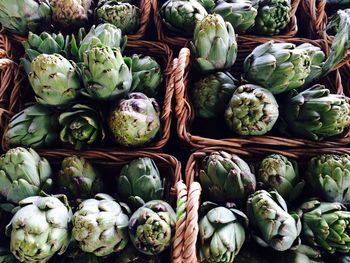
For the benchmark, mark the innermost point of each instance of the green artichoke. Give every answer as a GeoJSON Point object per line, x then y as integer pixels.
{"type": "Point", "coordinates": [82, 125]}
{"type": "Point", "coordinates": [106, 75]}
{"type": "Point", "coordinates": [123, 15]}
{"type": "Point", "coordinates": [54, 79]}
{"type": "Point", "coordinates": [252, 110]}
{"type": "Point", "coordinates": [326, 225]}
{"type": "Point", "coordinates": [329, 177]}
{"type": "Point", "coordinates": [281, 174]}
{"type": "Point", "coordinates": [226, 178]}
{"type": "Point", "coordinates": [211, 94]}
{"type": "Point", "coordinates": [131, 255]}
{"type": "Point", "coordinates": [273, 16]}
{"type": "Point", "coordinates": [335, 20]}
{"type": "Point", "coordinates": [214, 45]}
{"type": "Point", "coordinates": [270, 221]}
{"type": "Point", "coordinates": [147, 75]}
{"type": "Point", "coordinates": [140, 182]}
{"type": "Point", "coordinates": [277, 67]}
{"type": "Point", "coordinates": [40, 228]}
{"type": "Point", "coordinates": [208, 4]}
{"type": "Point", "coordinates": [78, 179]}
{"type": "Point", "coordinates": [239, 13]}
{"type": "Point", "coordinates": [101, 35]}
{"type": "Point", "coordinates": [36, 126]}
{"type": "Point", "coordinates": [180, 16]}
{"type": "Point", "coordinates": [22, 16]}
{"type": "Point", "coordinates": [315, 113]}
{"type": "Point", "coordinates": [100, 226]}
{"type": "Point", "coordinates": [249, 256]}
{"type": "Point", "coordinates": [135, 121]}
{"type": "Point", "coordinates": [70, 13]}
{"type": "Point", "coordinates": [221, 233]}
{"type": "Point", "coordinates": [303, 254]}
{"type": "Point", "coordinates": [23, 173]}
{"type": "Point", "coordinates": [152, 226]}
{"type": "Point", "coordinates": [6, 256]}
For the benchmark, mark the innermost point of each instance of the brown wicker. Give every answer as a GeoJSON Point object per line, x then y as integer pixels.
{"type": "Point", "coordinates": [185, 112]}
{"type": "Point", "coordinates": [144, 5]}
{"type": "Point", "coordinates": [163, 36]}
{"type": "Point", "coordinates": [194, 188]}
{"type": "Point", "coordinates": [20, 92]}
{"type": "Point", "coordinates": [313, 14]}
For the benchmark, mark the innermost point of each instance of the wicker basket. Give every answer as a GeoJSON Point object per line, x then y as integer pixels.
{"type": "Point", "coordinates": [164, 36]}
{"type": "Point", "coordinates": [20, 92]}
{"type": "Point", "coordinates": [144, 5]}
{"type": "Point", "coordinates": [110, 166]}
{"type": "Point", "coordinates": [190, 132]}
{"type": "Point", "coordinates": [190, 254]}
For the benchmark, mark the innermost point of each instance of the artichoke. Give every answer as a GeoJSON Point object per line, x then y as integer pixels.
{"type": "Point", "coordinates": [22, 16]}
{"type": "Point", "coordinates": [221, 233]}
{"type": "Point", "coordinates": [277, 67]}
{"type": "Point", "coordinates": [123, 15]}
{"type": "Point", "coordinates": [214, 45]}
{"type": "Point", "coordinates": [239, 13]}
{"type": "Point", "coordinates": [78, 179]}
{"type": "Point", "coordinates": [6, 256]}
{"type": "Point", "coordinates": [40, 228]}
{"type": "Point", "coordinates": [270, 221]}
{"type": "Point", "coordinates": [135, 121]}
{"type": "Point", "coordinates": [273, 16]}
{"type": "Point", "coordinates": [180, 16]}
{"type": "Point", "coordinates": [315, 113]}
{"type": "Point", "coordinates": [82, 125]}
{"type": "Point", "coordinates": [211, 94]}
{"type": "Point", "coordinates": [303, 254]}
{"type": "Point", "coordinates": [106, 75]}
{"type": "Point", "coordinates": [326, 225]}
{"type": "Point", "coordinates": [152, 226]}
{"type": "Point", "coordinates": [252, 110]}
{"type": "Point", "coordinates": [140, 182]}
{"type": "Point", "coordinates": [131, 255]}
{"type": "Point", "coordinates": [54, 79]}
{"type": "Point", "coordinates": [36, 126]}
{"type": "Point", "coordinates": [146, 75]}
{"type": "Point", "coordinates": [226, 178]}
{"type": "Point", "coordinates": [101, 35]}
{"type": "Point", "coordinates": [329, 177]}
{"type": "Point", "coordinates": [100, 226]}
{"type": "Point", "coordinates": [23, 173]}
{"type": "Point", "coordinates": [70, 13]}
{"type": "Point", "coordinates": [208, 4]}
{"type": "Point", "coordinates": [281, 174]}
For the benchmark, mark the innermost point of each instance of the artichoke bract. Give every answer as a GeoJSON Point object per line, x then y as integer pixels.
{"type": "Point", "coordinates": [240, 13]}
{"type": "Point", "coordinates": [40, 228]}
{"type": "Point", "coordinates": [221, 233]}
{"type": "Point", "coordinates": [214, 45]}
{"type": "Point", "coordinates": [22, 16]}
{"type": "Point", "coordinates": [252, 110]}
{"type": "Point", "coordinates": [151, 227]}
{"type": "Point", "coordinates": [100, 226]}
{"type": "Point", "coordinates": [211, 94]}
{"type": "Point", "coordinates": [54, 80]}
{"type": "Point", "coordinates": [278, 172]}
{"type": "Point", "coordinates": [23, 173]}
{"type": "Point", "coordinates": [180, 17]}
{"type": "Point", "coordinates": [273, 16]}
{"type": "Point", "coordinates": [315, 113]}
{"type": "Point", "coordinates": [270, 221]}
{"type": "Point", "coordinates": [106, 75]}
{"type": "Point", "coordinates": [226, 178]}
{"type": "Point", "coordinates": [326, 225]}
{"type": "Point", "coordinates": [135, 121]}
{"type": "Point", "coordinates": [36, 126]}
{"type": "Point", "coordinates": [123, 15]}
{"type": "Point", "coordinates": [78, 179]}
{"type": "Point", "coordinates": [81, 126]}
{"type": "Point", "coordinates": [329, 177]}
{"type": "Point", "coordinates": [277, 67]}
{"type": "Point", "coordinates": [140, 182]}
{"type": "Point", "coordinates": [147, 75]}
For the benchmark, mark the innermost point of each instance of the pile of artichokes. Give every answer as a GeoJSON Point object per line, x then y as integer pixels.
{"type": "Point", "coordinates": [50, 210]}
